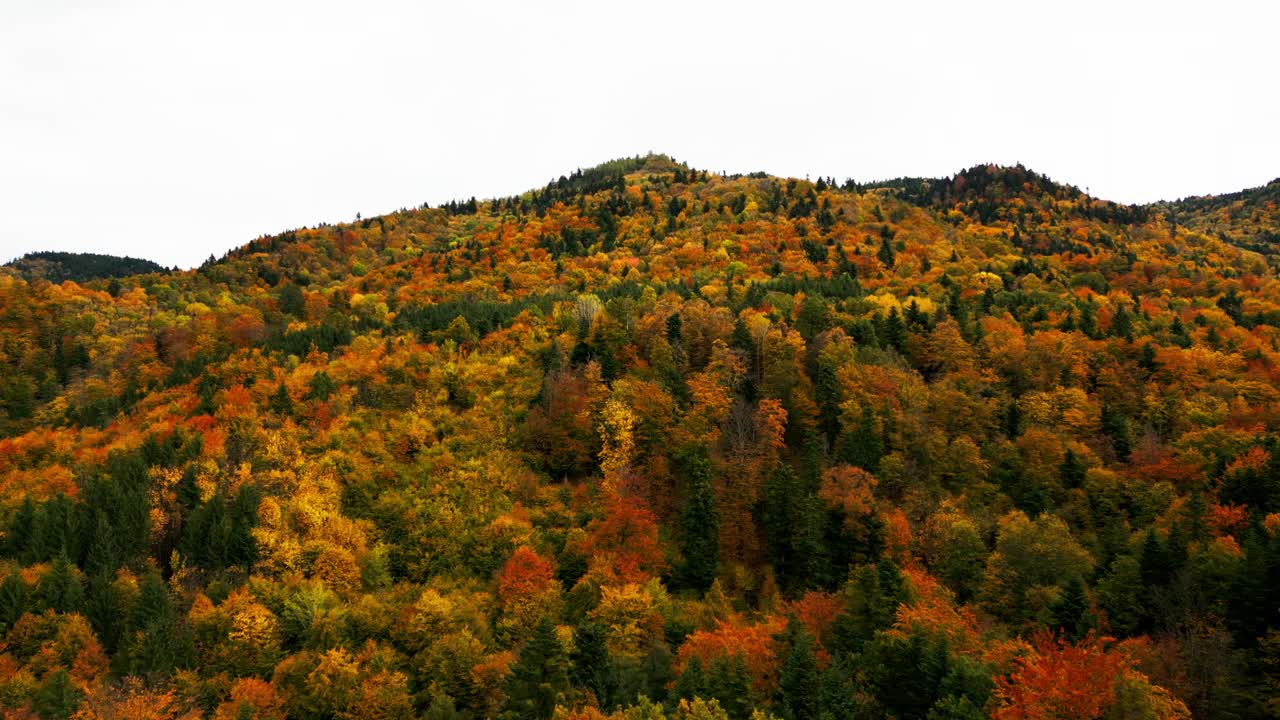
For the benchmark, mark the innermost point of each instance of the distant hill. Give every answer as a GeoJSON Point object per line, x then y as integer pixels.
{"type": "Point", "coordinates": [1248, 218]}
{"type": "Point", "coordinates": [81, 267]}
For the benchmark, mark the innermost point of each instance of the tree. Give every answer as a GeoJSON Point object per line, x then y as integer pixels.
{"type": "Point", "coordinates": [60, 588]}
{"type": "Point", "coordinates": [1032, 558]}
{"type": "Point", "coordinates": [871, 598]}
{"type": "Point", "coordinates": [701, 527]}
{"type": "Point", "coordinates": [1121, 595]}
{"type": "Point", "coordinates": [592, 667]}
{"type": "Point", "coordinates": [1071, 613]}
{"type": "Point", "coordinates": [1072, 471]}
{"type": "Point", "coordinates": [540, 677]}
{"type": "Point", "coordinates": [782, 507]}
{"type": "Point", "coordinates": [292, 301]}
{"type": "Point", "coordinates": [799, 683]}
{"type": "Point", "coordinates": [15, 600]}
{"type": "Point", "coordinates": [1116, 427]}
{"type": "Point", "coordinates": [729, 686]}
{"type": "Point", "coordinates": [907, 672]}
{"type": "Point", "coordinates": [1059, 680]}
{"type": "Point", "coordinates": [57, 697]}
{"type": "Point", "coordinates": [861, 446]}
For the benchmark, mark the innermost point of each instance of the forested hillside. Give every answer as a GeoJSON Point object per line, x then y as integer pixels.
{"type": "Point", "coordinates": [80, 267]}
{"type": "Point", "coordinates": [652, 442]}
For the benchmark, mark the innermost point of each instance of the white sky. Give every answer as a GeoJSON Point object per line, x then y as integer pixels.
{"type": "Point", "coordinates": [174, 129]}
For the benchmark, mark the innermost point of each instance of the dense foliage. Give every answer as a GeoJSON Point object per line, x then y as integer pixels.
{"type": "Point", "coordinates": [650, 442]}
{"type": "Point", "coordinates": [80, 267]}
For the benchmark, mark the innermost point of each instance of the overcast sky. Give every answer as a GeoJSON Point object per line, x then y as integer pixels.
{"type": "Point", "coordinates": [172, 130]}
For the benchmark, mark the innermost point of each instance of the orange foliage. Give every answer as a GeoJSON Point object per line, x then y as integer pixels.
{"type": "Point", "coordinates": [1060, 680]}
{"type": "Point", "coordinates": [525, 574]}
{"type": "Point", "coordinates": [1228, 519]}
{"type": "Point", "coordinates": [624, 545]}
{"type": "Point", "coordinates": [730, 638]}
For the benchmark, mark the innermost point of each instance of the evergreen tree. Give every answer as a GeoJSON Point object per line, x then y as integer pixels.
{"type": "Point", "coordinates": [57, 697]}
{"type": "Point", "coordinates": [292, 301]}
{"type": "Point", "coordinates": [799, 682]}
{"type": "Point", "coordinates": [1120, 593]}
{"type": "Point", "coordinates": [729, 683]}
{"type": "Point", "coordinates": [906, 672]}
{"type": "Point", "coordinates": [158, 644]}
{"type": "Point", "coordinates": [781, 513]}
{"type": "Point", "coordinates": [811, 566]}
{"type": "Point", "coordinates": [1072, 470]}
{"type": "Point", "coordinates": [103, 556]}
{"type": "Point", "coordinates": [871, 598]}
{"type": "Point", "coordinates": [592, 667]}
{"type": "Point", "coordinates": [1122, 324]}
{"type": "Point", "coordinates": [1156, 565]}
{"type": "Point", "coordinates": [1116, 427]}
{"type": "Point", "coordinates": [1071, 612]}
{"type": "Point", "coordinates": [242, 547]}
{"type": "Point", "coordinates": [22, 531]}
{"type": "Point", "coordinates": [104, 609]}
{"type": "Point", "coordinates": [539, 679]}
{"type": "Point", "coordinates": [59, 588]}
{"type": "Point", "coordinates": [701, 527]}
{"type": "Point", "coordinates": [15, 600]}
{"type": "Point", "coordinates": [188, 490]}
{"type": "Point", "coordinates": [893, 331]}
{"type": "Point", "coordinates": [863, 447]}
{"type": "Point", "coordinates": [692, 683]}
{"type": "Point", "coordinates": [885, 254]}
{"type": "Point", "coordinates": [280, 403]}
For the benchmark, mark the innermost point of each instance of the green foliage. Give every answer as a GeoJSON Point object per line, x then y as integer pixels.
{"type": "Point", "coordinates": [701, 528]}
{"type": "Point", "coordinates": [540, 677]}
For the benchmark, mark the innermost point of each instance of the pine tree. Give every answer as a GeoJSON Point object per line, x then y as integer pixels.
{"type": "Point", "coordinates": [1120, 593]}
{"type": "Point", "coordinates": [885, 253]}
{"type": "Point", "coordinates": [781, 514]}
{"type": "Point", "coordinates": [692, 683]}
{"type": "Point", "coordinates": [862, 447]}
{"type": "Point", "coordinates": [1116, 427]}
{"type": "Point", "coordinates": [893, 331]}
{"type": "Point", "coordinates": [729, 683]}
{"type": "Point", "coordinates": [799, 683]}
{"type": "Point", "coordinates": [539, 679]}
{"type": "Point", "coordinates": [22, 531]}
{"type": "Point", "coordinates": [104, 609]}
{"type": "Point", "coordinates": [1071, 612]}
{"type": "Point", "coordinates": [59, 589]}
{"type": "Point", "coordinates": [281, 404]}
{"type": "Point", "coordinates": [57, 697]}
{"type": "Point", "coordinates": [188, 490]}
{"type": "Point", "coordinates": [103, 555]}
{"type": "Point", "coordinates": [592, 668]}
{"type": "Point", "coordinates": [1122, 324]}
{"type": "Point", "coordinates": [1156, 565]}
{"type": "Point", "coordinates": [158, 644]}
{"type": "Point", "coordinates": [242, 548]}
{"type": "Point", "coordinates": [871, 598]}
{"type": "Point", "coordinates": [1072, 470]}
{"type": "Point", "coordinates": [15, 600]}
{"type": "Point", "coordinates": [701, 527]}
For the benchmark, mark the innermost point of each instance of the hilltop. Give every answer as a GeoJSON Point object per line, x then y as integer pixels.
{"type": "Point", "coordinates": [80, 267]}
{"type": "Point", "coordinates": [963, 447]}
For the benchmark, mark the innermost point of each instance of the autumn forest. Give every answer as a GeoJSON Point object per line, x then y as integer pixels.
{"type": "Point", "coordinates": [652, 442]}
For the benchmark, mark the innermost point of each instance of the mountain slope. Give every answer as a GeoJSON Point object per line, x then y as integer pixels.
{"type": "Point", "coordinates": [961, 447]}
